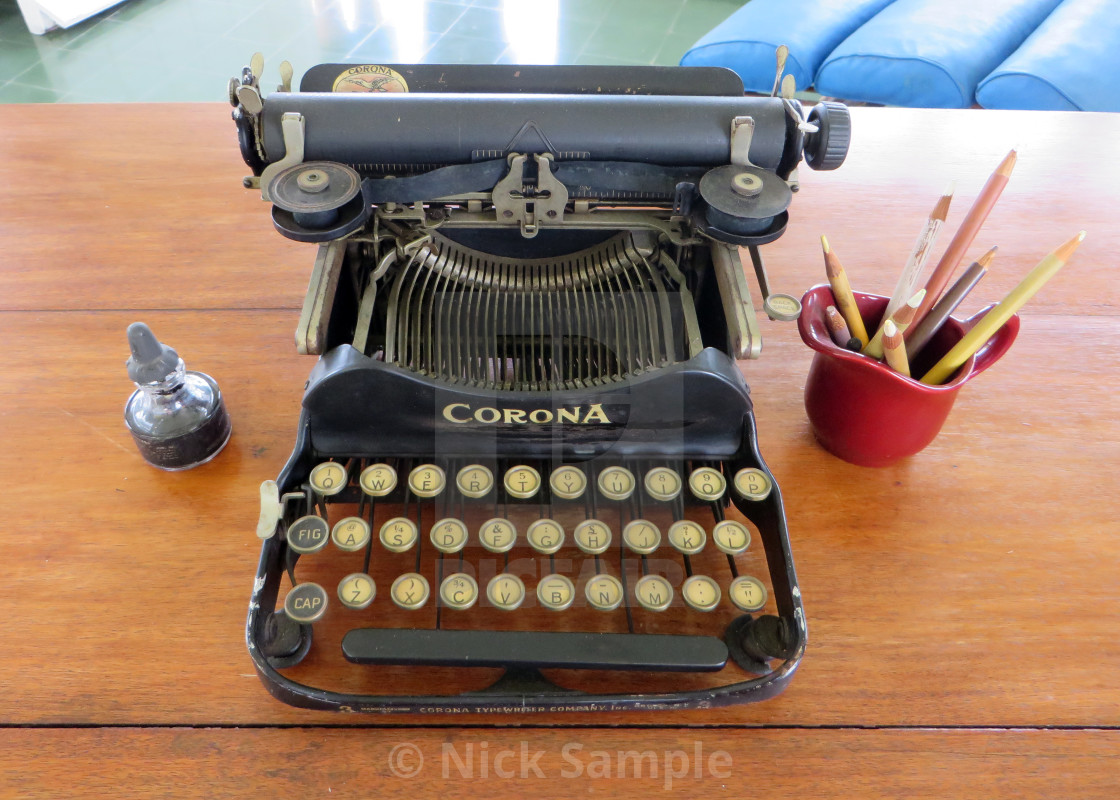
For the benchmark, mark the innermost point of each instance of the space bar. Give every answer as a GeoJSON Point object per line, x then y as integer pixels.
{"type": "Point", "coordinates": [535, 649]}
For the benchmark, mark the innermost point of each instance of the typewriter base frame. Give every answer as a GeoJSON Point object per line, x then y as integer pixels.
{"type": "Point", "coordinates": [522, 691]}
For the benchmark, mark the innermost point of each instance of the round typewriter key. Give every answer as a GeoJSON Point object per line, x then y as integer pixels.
{"type": "Point", "coordinates": [427, 480]}
{"type": "Point", "coordinates": [459, 590]}
{"type": "Point", "coordinates": [306, 602]}
{"type": "Point", "coordinates": [410, 591]}
{"type": "Point", "coordinates": [546, 536]}
{"type": "Point", "coordinates": [522, 482]}
{"type": "Point", "coordinates": [449, 535]}
{"type": "Point", "coordinates": [592, 536]}
{"type": "Point", "coordinates": [687, 536]}
{"type": "Point", "coordinates": [707, 483]}
{"type": "Point", "coordinates": [654, 592]}
{"type": "Point", "coordinates": [604, 592]}
{"type": "Point", "coordinates": [378, 480]}
{"type": "Point", "coordinates": [568, 483]}
{"type": "Point", "coordinates": [701, 592]}
{"type": "Point", "coordinates": [616, 483]}
{"type": "Point", "coordinates": [556, 592]}
{"type": "Point", "coordinates": [475, 481]}
{"type": "Point", "coordinates": [350, 534]}
{"type": "Point", "coordinates": [753, 484]}
{"type": "Point", "coordinates": [782, 307]}
{"type": "Point", "coordinates": [497, 535]}
{"type": "Point", "coordinates": [357, 590]}
{"type": "Point", "coordinates": [663, 484]}
{"type": "Point", "coordinates": [399, 534]}
{"type": "Point", "coordinates": [308, 534]}
{"type": "Point", "coordinates": [747, 593]}
{"type": "Point", "coordinates": [328, 478]}
{"type": "Point", "coordinates": [641, 536]}
{"type": "Point", "coordinates": [505, 591]}
{"type": "Point", "coordinates": [731, 537]}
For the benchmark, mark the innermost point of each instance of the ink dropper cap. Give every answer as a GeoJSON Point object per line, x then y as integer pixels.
{"type": "Point", "coordinates": [151, 360]}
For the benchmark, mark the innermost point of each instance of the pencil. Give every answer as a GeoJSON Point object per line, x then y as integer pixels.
{"type": "Point", "coordinates": [837, 328]}
{"type": "Point", "coordinates": [894, 349]}
{"type": "Point", "coordinates": [842, 293]}
{"type": "Point", "coordinates": [975, 217]}
{"type": "Point", "coordinates": [902, 319]}
{"type": "Point", "coordinates": [907, 281]}
{"type": "Point", "coordinates": [994, 319]}
{"type": "Point", "coordinates": [920, 334]}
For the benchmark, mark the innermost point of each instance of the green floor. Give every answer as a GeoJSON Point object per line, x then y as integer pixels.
{"type": "Point", "coordinates": [176, 50]}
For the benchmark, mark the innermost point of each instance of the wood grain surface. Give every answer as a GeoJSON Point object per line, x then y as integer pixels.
{"type": "Point", "coordinates": [973, 585]}
{"type": "Point", "coordinates": [577, 762]}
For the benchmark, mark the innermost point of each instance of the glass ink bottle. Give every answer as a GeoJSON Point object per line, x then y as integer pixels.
{"type": "Point", "coordinates": [177, 418]}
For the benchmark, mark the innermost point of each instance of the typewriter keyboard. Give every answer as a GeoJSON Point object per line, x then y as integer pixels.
{"type": "Point", "coordinates": [468, 563]}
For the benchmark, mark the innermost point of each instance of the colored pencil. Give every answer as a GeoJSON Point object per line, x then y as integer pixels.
{"type": "Point", "coordinates": [966, 233]}
{"type": "Point", "coordinates": [907, 281]}
{"type": "Point", "coordinates": [894, 349]}
{"type": "Point", "coordinates": [902, 319]}
{"type": "Point", "coordinates": [921, 333]}
{"type": "Point", "coordinates": [837, 328]}
{"type": "Point", "coordinates": [994, 319]}
{"type": "Point", "coordinates": [842, 293]}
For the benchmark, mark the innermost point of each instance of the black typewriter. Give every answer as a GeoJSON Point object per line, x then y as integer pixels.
{"type": "Point", "coordinates": [526, 475]}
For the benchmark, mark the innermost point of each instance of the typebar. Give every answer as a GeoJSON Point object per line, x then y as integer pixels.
{"type": "Point", "coordinates": [535, 649]}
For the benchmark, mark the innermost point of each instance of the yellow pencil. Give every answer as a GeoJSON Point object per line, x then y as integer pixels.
{"type": "Point", "coordinates": [842, 293]}
{"type": "Point", "coordinates": [994, 319]}
{"type": "Point", "coordinates": [902, 319]}
{"type": "Point", "coordinates": [895, 349]}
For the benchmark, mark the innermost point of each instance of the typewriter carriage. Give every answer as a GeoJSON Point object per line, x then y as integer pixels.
{"type": "Point", "coordinates": [458, 273]}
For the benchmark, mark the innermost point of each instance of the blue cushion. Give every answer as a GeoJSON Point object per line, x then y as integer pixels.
{"type": "Point", "coordinates": [929, 53]}
{"type": "Point", "coordinates": [745, 42]}
{"type": "Point", "coordinates": [1069, 64]}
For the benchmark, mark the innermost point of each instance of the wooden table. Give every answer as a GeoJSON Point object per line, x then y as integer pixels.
{"type": "Point", "coordinates": [963, 605]}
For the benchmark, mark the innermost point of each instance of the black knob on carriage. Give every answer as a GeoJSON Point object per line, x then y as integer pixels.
{"type": "Point", "coordinates": [828, 147]}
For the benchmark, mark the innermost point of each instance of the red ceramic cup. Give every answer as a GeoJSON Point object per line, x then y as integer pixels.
{"type": "Point", "coordinates": [862, 410]}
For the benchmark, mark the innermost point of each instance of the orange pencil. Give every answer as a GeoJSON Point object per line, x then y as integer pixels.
{"type": "Point", "coordinates": [965, 234]}
{"type": "Point", "coordinates": [842, 293]}
{"type": "Point", "coordinates": [895, 350]}
{"type": "Point", "coordinates": [901, 319]}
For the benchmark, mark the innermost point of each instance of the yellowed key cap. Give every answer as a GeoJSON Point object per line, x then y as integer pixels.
{"type": "Point", "coordinates": [731, 537]}
{"type": "Point", "coordinates": [399, 534]}
{"type": "Point", "coordinates": [567, 482]}
{"type": "Point", "coordinates": [350, 534]}
{"type": "Point", "coordinates": [641, 536]}
{"type": "Point", "coordinates": [556, 592]}
{"type": "Point", "coordinates": [427, 480]}
{"type": "Point", "coordinates": [753, 484]}
{"type": "Point", "coordinates": [701, 592]}
{"type": "Point", "coordinates": [747, 593]}
{"type": "Point", "coordinates": [308, 534]}
{"type": "Point", "coordinates": [506, 592]}
{"type": "Point", "coordinates": [592, 536]}
{"type": "Point", "coordinates": [707, 483]}
{"type": "Point", "coordinates": [306, 602]}
{"type": "Point", "coordinates": [475, 481]}
{"type": "Point", "coordinates": [378, 480]}
{"type": "Point", "coordinates": [654, 592]}
{"type": "Point", "coordinates": [663, 484]}
{"type": "Point", "coordinates": [459, 590]}
{"type": "Point", "coordinates": [687, 536]}
{"type": "Point", "coordinates": [357, 590]}
{"type": "Point", "coordinates": [522, 481]}
{"type": "Point", "coordinates": [546, 536]}
{"type": "Point", "coordinates": [328, 478]}
{"type": "Point", "coordinates": [497, 535]}
{"type": "Point", "coordinates": [410, 591]}
{"type": "Point", "coordinates": [604, 592]}
{"type": "Point", "coordinates": [617, 483]}
{"type": "Point", "coordinates": [449, 535]}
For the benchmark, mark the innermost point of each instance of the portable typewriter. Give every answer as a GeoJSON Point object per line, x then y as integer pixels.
{"type": "Point", "coordinates": [525, 475]}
